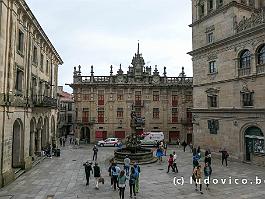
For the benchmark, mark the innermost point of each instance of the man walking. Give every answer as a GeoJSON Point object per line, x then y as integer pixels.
{"type": "Point", "coordinates": [88, 168]}
{"type": "Point", "coordinates": [137, 173]}
{"type": "Point", "coordinates": [175, 168]}
{"type": "Point", "coordinates": [95, 153]}
{"type": "Point", "coordinates": [96, 174]}
{"type": "Point", "coordinates": [225, 155]}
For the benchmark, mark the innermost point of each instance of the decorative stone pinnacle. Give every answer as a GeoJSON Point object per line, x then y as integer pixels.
{"type": "Point", "coordinates": [92, 72]}
{"type": "Point", "coordinates": [111, 71]}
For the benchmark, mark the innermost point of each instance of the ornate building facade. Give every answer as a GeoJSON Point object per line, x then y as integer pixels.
{"type": "Point", "coordinates": [66, 118]}
{"type": "Point", "coordinates": [229, 77]}
{"type": "Point", "coordinates": [103, 103]}
{"type": "Point", "coordinates": [28, 89]}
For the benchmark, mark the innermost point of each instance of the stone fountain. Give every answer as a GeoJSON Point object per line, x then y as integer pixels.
{"type": "Point", "coordinates": [133, 147]}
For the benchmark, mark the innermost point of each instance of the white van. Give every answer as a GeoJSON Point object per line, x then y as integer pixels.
{"type": "Point", "coordinates": [151, 138]}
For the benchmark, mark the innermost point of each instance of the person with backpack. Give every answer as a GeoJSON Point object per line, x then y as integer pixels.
{"type": "Point", "coordinates": [132, 182]}
{"type": "Point", "coordinates": [115, 171]}
{"type": "Point", "coordinates": [225, 155]}
{"type": "Point", "coordinates": [170, 163]}
{"type": "Point", "coordinates": [122, 183]}
{"type": "Point", "coordinates": [96, 174]}
{"type": "Point", "coordinates": [207, 173]}
{"type": "Point", "coordinates": [95, 153]}
{"type": "Point", "coordinates": [137, 172]}
{"type": "Point", "coordinates": [88, 169]}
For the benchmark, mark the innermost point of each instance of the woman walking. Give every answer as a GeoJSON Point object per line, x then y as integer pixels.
{"type": "Point", "coordinates": [207, 173]}
{"type": "Point", "coordinates": [197, 177]}
{"type": "Point", "coordinates": [132, 182]}
{"type": "Point", "coordinates": [159, 154]}
{"type": "Point", "coordinates": [121, 181]}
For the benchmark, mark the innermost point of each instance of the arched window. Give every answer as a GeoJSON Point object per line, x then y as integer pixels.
{"type": "Point", "coordinates": [245, 59]}
{"type": "Point", "coordinates": [261, 55]}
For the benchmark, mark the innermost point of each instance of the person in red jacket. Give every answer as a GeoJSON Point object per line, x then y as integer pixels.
{"type": "Point", "coordinates": [170, 163]}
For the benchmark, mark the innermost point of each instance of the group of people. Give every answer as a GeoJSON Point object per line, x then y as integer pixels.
{"type": "Point", "coordinates": [95, 170]}
{"type": "Point", "coordinates": [120, 176]}
{"type": "Point", "coordinates": [71, 140]}
{"type": "Point", "coordinates": [197, 173]}
{"type": "Point", "coordinates": [161, 150]}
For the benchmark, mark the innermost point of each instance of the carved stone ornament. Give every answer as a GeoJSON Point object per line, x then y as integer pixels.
{"type": "Point", "coordinates": [247, 23]}
{"type": "Point", "coordinates": [212, 90]}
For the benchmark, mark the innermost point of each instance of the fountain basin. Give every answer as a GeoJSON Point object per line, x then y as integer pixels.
{"type": "Point", "coordinates": [142, 155]}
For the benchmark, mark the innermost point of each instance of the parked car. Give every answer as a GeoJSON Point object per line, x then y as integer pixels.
{"type": "Point", "coordinates": [109, 142]}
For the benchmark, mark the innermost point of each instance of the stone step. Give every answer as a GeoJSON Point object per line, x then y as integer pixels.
{"type": "Point", "coordinates": [18, 172]}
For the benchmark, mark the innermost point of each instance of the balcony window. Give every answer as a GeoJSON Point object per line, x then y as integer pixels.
{"type": "Point", "coordinates": [119, 112]}
{"type": "Point", "coordinates": [210, 5]}
{"type": "Point", "coordinates": [19, 80]}
{"type": "Point", "coordinates": [47, 66]}
{"type": "Point", "coordinates": [85, 115]}
{"type": "Point", "coordinates": [244, 63]}
{"type": "Point", "coordinates": [156, 96]}
{"type": "Point", "coordinates": [174, 115]}
{"type": "Point", "coordinates": [100, 116]}
{"type": "Point", "coordinates": [101, 97]}
{"type": "Point", "coordinates": [174, 99]}
{"type": "Point", "coordinates": [201, 10]}
{"type": "Point", "coordinates": [156, 113]}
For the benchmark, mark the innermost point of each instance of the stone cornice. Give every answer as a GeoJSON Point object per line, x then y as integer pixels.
{"type": "Point", "coordinates": [222, 9]}
{"type": "Point", "coordinates": [33, 19]}
{"type": "Point", "coordinates": [229, 110]}
{"type": "Point", "coordinates": [229, 80]}
{"type": "Point", "coordinates": [247, 33]}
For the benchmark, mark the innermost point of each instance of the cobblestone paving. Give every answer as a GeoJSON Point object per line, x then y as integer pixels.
{"type": "Point", "coordinates": [64, 178]}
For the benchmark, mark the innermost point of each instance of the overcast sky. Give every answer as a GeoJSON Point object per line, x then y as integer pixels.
{"type": "Point", "coordinates": [105, 32]}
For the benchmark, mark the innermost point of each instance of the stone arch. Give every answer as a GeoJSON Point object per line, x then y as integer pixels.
{"type": "Point", "coordinates": [244, 142]}
{"type": "Point", "coordinates": [37, 141]}
{"type": "Point", "coordinates": [53, 132]}
{"type": "Point", "coordinates": [258, 50]}
{"type": "Point", "coordinates": [33, 130]}
{"type": "Point", "coordinates": [85, 134]}
{"type": "Point", "coordinates": [18, 144]}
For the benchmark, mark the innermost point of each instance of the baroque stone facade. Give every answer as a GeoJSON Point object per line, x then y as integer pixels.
{"type": "Point", "coordinates": [104, 103]}
{"type": "Point", "coordinates": [229, 77]}
{"type": "Point", "coordinates": [28, 89]}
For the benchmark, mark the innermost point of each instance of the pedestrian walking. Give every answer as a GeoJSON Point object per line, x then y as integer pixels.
{"type": "Point", "coordinates": [96, 174]}
{"type": "Point", "coordinates": [208, 158]}
{"type": "Point", "coordinates": [165, 148]}
{"type": "Point", "coordinates": [115, 171]}
{"type": "Point", "coordinates": [178, 143]}
{"type": "Point", "coordinates": [184, 144]}
{"type": "Point", "coordinates": [122, 183]}
{"type": "Point", "coordinates": [225, 155]}
{"type": "Point", "coordinates": [191, 147]}
{"type": "Point", "coordinates": [195, 160]}
{"type": "Point", "coordinates": [197, 177]}
{"type": "Point", "coordinates": [61, 141]}
{"type": "Point", "coordinates": [170, 163]}
{"type": "Point", "coordinates": [127, 163]}
{"type": "Point", "coordinates": [132, 182]}
{"type": "Point", "coordinates": [137, 172]}
{"type": "Point", "coordinates": [64, 140]}
{"type": "Point", "coordinates": [175, 162]}
{"type": "Point", "coordinates": [88, 169]}
{"type": "Point", "coordinates": [95, 153]}
{"type": "Point", "coordinates": [109, 170]}
{"type": "Point", "coordinates": [207, 174]}
{"type": "Point", "coordinates": [159, 154]}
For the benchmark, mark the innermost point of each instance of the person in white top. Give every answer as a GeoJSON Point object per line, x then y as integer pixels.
{"type": "Point", "coordinates": [175, 162]}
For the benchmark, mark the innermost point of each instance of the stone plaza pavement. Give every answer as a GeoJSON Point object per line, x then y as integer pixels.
{"type": "Point", "coordinates": [64, 178]}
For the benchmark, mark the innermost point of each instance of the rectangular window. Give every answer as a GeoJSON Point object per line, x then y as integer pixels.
{"type": "Point", "coordinates": [138, 111]}
{"type": "Point", "coordinates": [155, 95]}
{"type": "Point", "coordinates": [100, 115]}
{"type": "Point", "coordinates": [210, 37]}
{"type": "Point", "coordinates": [119, 112]}
{"type": "Point", "coordinates": [201, 10]}
{"type": "Point", "coordinates": [35, 55]}
{"type": "Point", "coordinates": [212, 67]}
{"type": "Point", "coordinates": [138, 98]}
{"type": "Point", "coordinates": [86, 97]}
{"type": "Point", "coordinates": [213, 126]}
{"type": "Point", "coordinates": [212, 100]}
{"type": "Point", "coordinates": [47, 66]}
{"type": "Point", "coordinates": [174, 99]}
{"type": "Point", "coordinates": [210, 5]}
{"type": "Point", "coordinates": [85, 115]}
{"type": "Point", "coordinates": [70, 106]}
{"type": "Point", "coordinates": [247, 99]}
{"type": "Point", "coordinates": [41, 61]}
{"type": "Point", "coordinates": [156, 113]}
{"type": "Point", "coordinates": [19, 80]}
{"type": "Point", "coordinates": [101, 97]}
{"type": "Point", "coordinates": [20, 41]}
{"type": "Point", "coordinates": [174, 115]}
{"type": "Point", "coordinates": [189, 116]}
{"type": "Point", "coordinates": [120, 95]}
{"type": "Point", "coordinates": [70, 118]}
